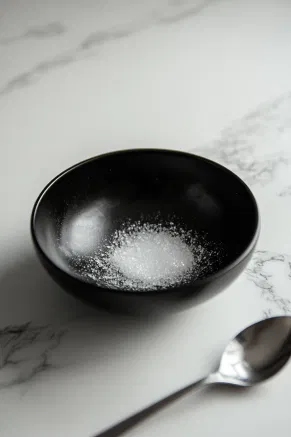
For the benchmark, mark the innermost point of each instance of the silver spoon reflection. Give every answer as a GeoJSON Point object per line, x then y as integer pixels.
{"type": "Point", "coordinates": [253, 356]}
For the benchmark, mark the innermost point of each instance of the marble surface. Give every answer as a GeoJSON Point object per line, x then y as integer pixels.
{"type": "Point", "coordinates": [80, 78]}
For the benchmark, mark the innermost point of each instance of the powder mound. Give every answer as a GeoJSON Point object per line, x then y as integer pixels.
{"type": "Point", "coordinates": [145, 256]}
{"type": "Point", "coordinates": [153, 258]}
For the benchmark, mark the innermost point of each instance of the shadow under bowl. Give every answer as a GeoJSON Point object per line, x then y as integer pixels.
{"type": "Point", "coordinates": [81, 208]}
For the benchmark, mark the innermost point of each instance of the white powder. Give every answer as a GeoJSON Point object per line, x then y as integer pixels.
{"type": "Point", "coordinates": [153, 257]}
{"type": "Point", "coordinates": [144, 256]}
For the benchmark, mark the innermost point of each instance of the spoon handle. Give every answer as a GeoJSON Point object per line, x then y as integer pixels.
{"type": "Point", "coordinates": [126, 424]}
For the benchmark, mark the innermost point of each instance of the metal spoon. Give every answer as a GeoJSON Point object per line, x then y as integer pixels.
{"type": "Point", "coordinates": [253, 356]}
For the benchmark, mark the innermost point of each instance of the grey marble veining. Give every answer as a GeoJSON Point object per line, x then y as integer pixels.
{"type": "Point", "coordinates": [49, 30]}
{"type": "Point", "coordinates": [183, 9]}
{"type": "Point", "coordinates": [25, 352]}
{"type": "Point", "coordinates": [28, 78]}
{"type": "Point", "coordinates": [262, 272]}
{"type": "Point", "coordinates": [169, 13]}
{"type": "Point", "coordinates": [286, 192]}
{"type": "Point", "coordinates": [256, 147]}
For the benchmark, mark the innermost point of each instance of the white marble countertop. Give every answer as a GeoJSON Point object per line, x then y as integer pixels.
{"type": "Point", "coordinates": [80, 78]}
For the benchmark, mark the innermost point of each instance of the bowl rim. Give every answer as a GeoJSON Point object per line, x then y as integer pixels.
{"type": "Point", "coordinates": [177, 289]}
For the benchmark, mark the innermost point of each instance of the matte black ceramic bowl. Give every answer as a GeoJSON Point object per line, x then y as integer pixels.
{"type": "Point", "coordinates": [87, 203]}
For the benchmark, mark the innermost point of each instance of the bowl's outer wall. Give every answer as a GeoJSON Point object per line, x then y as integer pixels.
{"type": "Point", "coordinates": [124, 184]}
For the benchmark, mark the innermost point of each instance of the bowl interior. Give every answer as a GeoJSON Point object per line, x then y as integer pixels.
{"type": "Point", "coordinates": [77, 213]}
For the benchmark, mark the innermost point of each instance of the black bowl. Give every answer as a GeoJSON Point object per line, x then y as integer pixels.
{"type": "Point", "coordinates": [89, 201]}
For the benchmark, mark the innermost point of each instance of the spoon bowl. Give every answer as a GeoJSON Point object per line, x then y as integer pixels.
{"type": "Point", "coordinates": [257, 353]}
